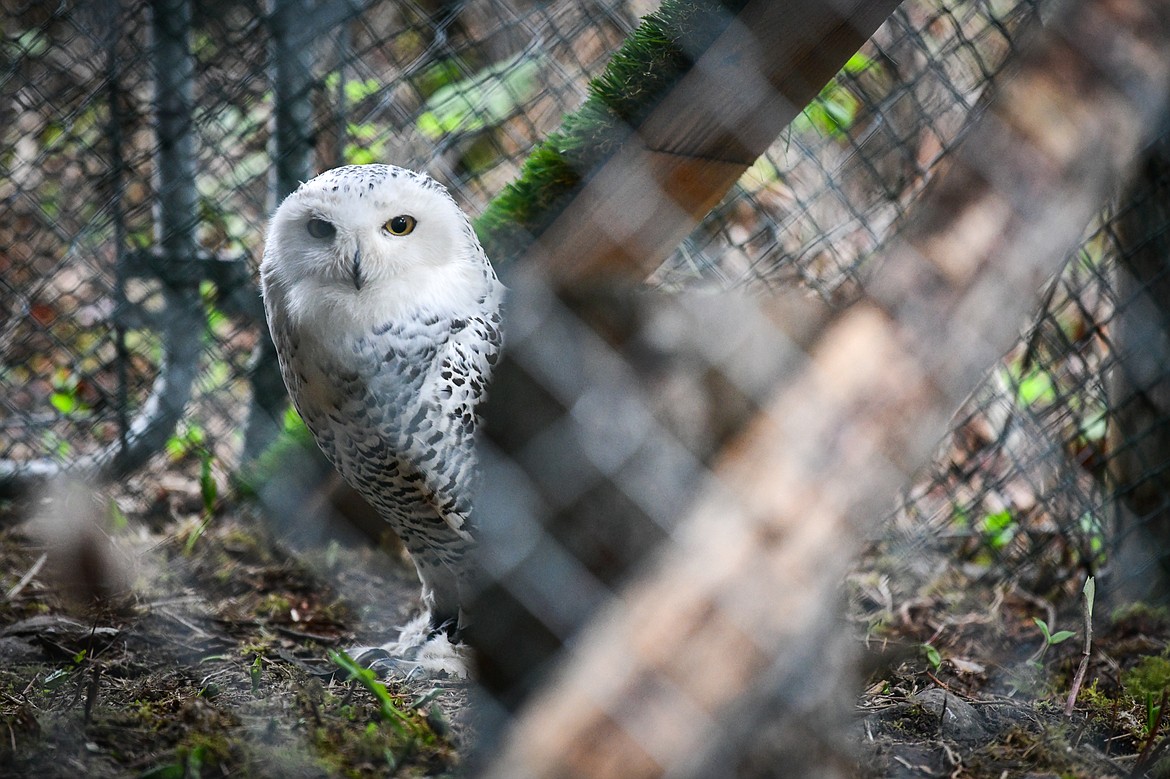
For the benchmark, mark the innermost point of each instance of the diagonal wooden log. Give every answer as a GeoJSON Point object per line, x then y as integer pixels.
{"type": "Point", "coordinates": [709, 128]}
{"type": "Point", "coordinates": [747, 81]}
{"type": "Point", "coordinates": [737, 616]}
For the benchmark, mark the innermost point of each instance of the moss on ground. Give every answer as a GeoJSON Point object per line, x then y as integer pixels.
{"type": "Point", "coordinates": [220, 668]}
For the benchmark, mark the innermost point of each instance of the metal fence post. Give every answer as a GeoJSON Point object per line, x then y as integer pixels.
{"type": "Point", "coordinates": [176, 214]}
{"type": "Point", "coordinates": [175, 218]}
{"type": "Point", "coordinates": [291, 28]}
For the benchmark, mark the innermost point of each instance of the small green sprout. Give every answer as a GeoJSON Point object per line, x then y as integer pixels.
{"type": "Point", "coordinates": [255, 672]}
{"type": "Point", "coordinates": [1050, 639]}
{"type": "Point", "coordinates": [932, 656]}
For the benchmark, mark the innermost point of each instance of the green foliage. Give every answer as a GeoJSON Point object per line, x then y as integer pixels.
{"type": "Point", "coordinates": [398, 718]}
{"type": "Point", "coordinates": [208, 493]}
{"type": "Point", "coordinates": [66, 397]}
{"type": "Point", "coordinates": [834, 110]}
{"type": "Point", "coordinates": [55, 443]}
{"type": "Point", "coordinates": [483, 100]}
{"type": "Point", "coordinates": [1092, 531]}
{"type": "Point", "coordinates": [932, 656]}
{"type": "Point", "coordinates": [118, 519]}
{"type": "Point", "coordinates": [1094, 427]}
{"type": "Point", "coordinates": [30, 43]}
{"type": "Point", "coordinates": [368, 141]}
{"type": "Point", "coordinates": [355, 90]}
{"type": "Point", "coordinates": [187, 439]}
{"type": "Point", "coordinates": [1147, 683]}
{"type": "Point", "coordinates": [59, 677]}
{"type": "Point", "coordinates": [439, 74]}
{"type": "Point", "coordinates": [255, 674]}
{"type": "Point", "coordinates": [998, 529]}
{"type": "Point", "coordinates": [1050, 638]}
{"type": "Point", "coordinates": [218, 323]}
{"type": "Point", "coordinates": [208, 488]}
{"type": "Point", "coordinates": [293, 441]}
{"type": "Point", "coordinates": [1032, 387]}
{"type": "Point", "coordinates": [637, 77]}
{"type": "Point", "coordinates": [189, 763]}
{"type": "Point", "coordinates": [368, 146]}
{"type": "Point", "coordinates": [1148, 678]}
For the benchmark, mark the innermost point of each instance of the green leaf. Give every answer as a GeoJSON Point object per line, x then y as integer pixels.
{"type": "Point", "coordinates": [483, 100]}
{"type": "Point", "coordinates": [1043, 628]}
{"type": "Point", "coordinates": [438, 75]}
{"type": "Point", "coordinates": [65, 402]}
{"type": "Point", "coordinates": [118, 519]}
{"type": "Point", "coordinates": [932, 656]}
{"type": "Point", "coordinates": [356, 155]}
{"type": "Point", "coordinates": [55, 679]}
{"type": "Point", "coordinates": [184, 441]}
{"type": "Point", "coordinates": [196, 533]}
{"type": "Point", "coordinates": [358, 90]}
{"type": "Point", "coordinates": [1035, 387]}
{"type": "Point", "coordinates": [428, 124]}
{"type": "Point", "coordinates": [1090, 592]}
{"type": "Point", "coordinates": [364, 676]}
{"type": "Point", "coordinates": [858, 63]}
{"type": "Point", "coordinates": [195, 762]}
{"type": "Point", "coordinates": [998, 529]}
{"type": "Point", "coordinates": [208, 489]}
{"type": "Point", "coordinates": [1060, 635]}
{"type": "Point", "coordinates": [1095, 427]}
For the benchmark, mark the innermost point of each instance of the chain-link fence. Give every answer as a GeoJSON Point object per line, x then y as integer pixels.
{"type": "Point", "coordinates": [145, 143]}
{"type": "Point", "coordinates": [97, 94]}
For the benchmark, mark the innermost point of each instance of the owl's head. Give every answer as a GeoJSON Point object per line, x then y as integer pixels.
{"type": "Point", "coordinates": [376, 238]}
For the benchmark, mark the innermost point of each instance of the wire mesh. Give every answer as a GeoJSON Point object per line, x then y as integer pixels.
{"type": "Point", "coordinates": [461, 92]}
{"type": "Point", "coordinates": [598, 442]}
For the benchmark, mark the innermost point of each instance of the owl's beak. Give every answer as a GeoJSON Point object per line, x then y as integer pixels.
{"type": "Point", "coordinates": [357, 269]}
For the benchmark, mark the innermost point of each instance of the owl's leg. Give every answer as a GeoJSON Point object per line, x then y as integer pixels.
{"type": "Point", "coordinates": [429, 643]}
{"type": "Point", "coordinates": [441, 595]}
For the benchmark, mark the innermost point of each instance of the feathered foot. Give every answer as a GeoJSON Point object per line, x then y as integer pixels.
{"type": "Point", "coordinates": [420, 649]}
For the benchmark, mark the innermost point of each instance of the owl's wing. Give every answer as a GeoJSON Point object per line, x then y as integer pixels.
{"type": "Point", "coordinates": [448, 465]}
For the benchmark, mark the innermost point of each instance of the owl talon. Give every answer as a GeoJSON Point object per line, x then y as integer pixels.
{"type": "Point", "coordinates": [369, 656]}
{"type": "Point", "coordinates": [449, 628]}
{"type": "Point", "coordinates": [421, 649]}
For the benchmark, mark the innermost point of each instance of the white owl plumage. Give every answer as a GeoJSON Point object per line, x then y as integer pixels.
{"type": "Point", "coordinates": [385, 314]}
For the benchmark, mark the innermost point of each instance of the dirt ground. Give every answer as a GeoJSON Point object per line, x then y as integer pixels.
{"type": "Point", "coordinates": [211, 658]}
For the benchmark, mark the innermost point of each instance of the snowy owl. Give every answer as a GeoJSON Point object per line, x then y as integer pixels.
{"type": "Point", "coordinates": [385, 315]}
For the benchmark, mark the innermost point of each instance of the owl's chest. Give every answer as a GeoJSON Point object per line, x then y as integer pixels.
{"type": "Point", "coordinates": [372, 376]}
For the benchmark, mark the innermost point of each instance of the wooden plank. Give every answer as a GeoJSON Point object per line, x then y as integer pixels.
{"type": "Point", "coordinates": [717, 120]}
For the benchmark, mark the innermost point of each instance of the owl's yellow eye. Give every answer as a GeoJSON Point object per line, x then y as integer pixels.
{"type": "Point", "coordinates": [401, 225]}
